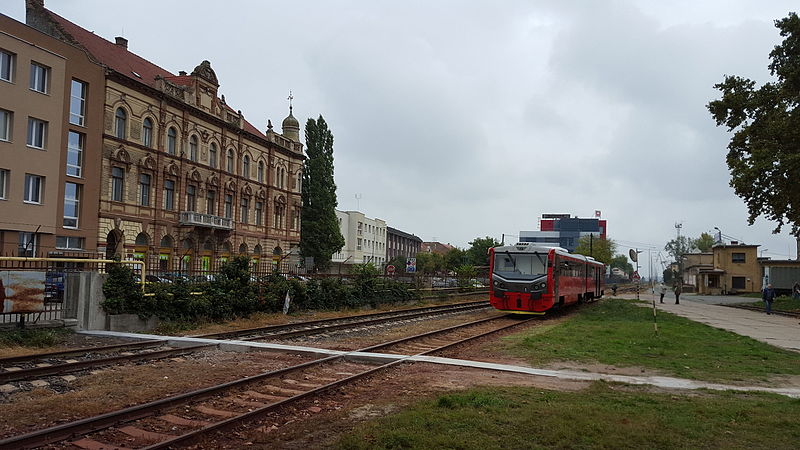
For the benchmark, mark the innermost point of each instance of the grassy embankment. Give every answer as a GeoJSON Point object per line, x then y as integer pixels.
{"type": "Point", "coordinates": [617, 333]}
{"type": "Point", "coordinates": [782, 303]}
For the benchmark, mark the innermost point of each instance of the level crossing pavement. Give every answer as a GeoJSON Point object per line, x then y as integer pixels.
{"type": "Point", "coordinates": [780, 331]}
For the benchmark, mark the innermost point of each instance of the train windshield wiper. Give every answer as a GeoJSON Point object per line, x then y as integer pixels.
{"type": "Point", "coordinates": [513, 261]}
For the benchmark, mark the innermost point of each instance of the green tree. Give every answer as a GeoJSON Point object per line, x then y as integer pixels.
{"type": "Point", "coordinates": [668, 275]}
{"type": "Point", "coordinates": [319, 229]}
{"type": "Point", "coordinates": [764, 151]}
{"type": "Point", "coordinates": [598, 248]}
{"type": "Point", "coordinates": [478, 252]}
{"type": "Point", "coordinates": [680, 246]}
{"type": "Point", "coordinates": [454, 258]}
{"type": "Point", "coordinates": [704, 242]}
{"type": "Point", "coordinates": [429, 263]}
{"type": "Point", "coordinates": [621, 262]}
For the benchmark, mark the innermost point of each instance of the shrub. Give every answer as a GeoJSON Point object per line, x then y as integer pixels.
{"type": "Point", "coordinates": [123, 294]}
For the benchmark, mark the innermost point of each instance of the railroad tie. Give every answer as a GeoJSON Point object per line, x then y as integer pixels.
{"type": "Point", "coordinates": [215, 412]}
{"type": "Point", "coordinates": [145, 435]}
{"type": "Point", "coordinates": [260, 396]}
{"type": "Point", "coordinates": [90, 444]}
{"type": "Point", "coordinates": [243, 402]}
{"type": "Point", "coordinates": [178, 420]}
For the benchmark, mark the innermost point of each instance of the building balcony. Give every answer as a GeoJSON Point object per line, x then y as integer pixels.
{"type": "Point", "coordinates": [205, 220]}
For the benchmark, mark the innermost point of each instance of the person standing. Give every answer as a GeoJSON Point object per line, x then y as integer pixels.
{"type": "Point", "coordinates": [796, 291]}
{"type": "Point", "coordinates": [678, 289]}
{"type": "Point", "coordinates": [768, 295]}
{"type": "Point", "coordinates": [662, 290]}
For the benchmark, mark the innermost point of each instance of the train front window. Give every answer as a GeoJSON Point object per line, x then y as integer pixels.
{"type": "Point", "coordinates": [520, 265]}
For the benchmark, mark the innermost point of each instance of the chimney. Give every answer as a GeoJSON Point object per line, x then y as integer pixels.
{"type": "Point", "coordinates": [122, 42]}
{"type": "Point", "coordinates": [182, 73]}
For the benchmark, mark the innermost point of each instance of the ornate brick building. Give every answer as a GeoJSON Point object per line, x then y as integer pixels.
{"type": "Point", "coordinates": [186, 182]}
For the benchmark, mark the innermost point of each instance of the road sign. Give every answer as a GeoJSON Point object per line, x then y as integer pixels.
{"type": "Point", "coordinates": [633, 255]}
{"type": "Point", "coordinates": [636, 276]}
{"type": "Point", "coordinates": [411, 265]}
{"type": "Point", "coordinates": [390, 269]}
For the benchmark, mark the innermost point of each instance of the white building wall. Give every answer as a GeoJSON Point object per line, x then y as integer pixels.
{"type": "Point", "coordinates": [365, 239]}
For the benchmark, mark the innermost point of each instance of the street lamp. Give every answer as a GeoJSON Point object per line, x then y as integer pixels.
{"type": "Point", "coordinates": [719, 235]}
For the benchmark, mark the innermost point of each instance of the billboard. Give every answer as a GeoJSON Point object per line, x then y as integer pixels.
{"type": "Point", "coordinates": [21, 292]}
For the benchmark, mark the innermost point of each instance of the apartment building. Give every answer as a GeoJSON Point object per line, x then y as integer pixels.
{"type": "Point", "coordinates": [364, 240]}
{"type": "Point", "coordinates": [51, 116]}
{"type": "Point", "coordinates": [185, 180]}
{"type": "Point", "coordinates": [400, 243]}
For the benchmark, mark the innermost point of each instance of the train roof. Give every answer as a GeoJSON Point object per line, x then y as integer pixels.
{"type": "Point", "coordinates": [531, 247]}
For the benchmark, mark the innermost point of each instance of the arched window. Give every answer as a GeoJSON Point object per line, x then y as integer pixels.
{"type": "Point", "coordinates": [230, 161]}
{"type": "Point", "coordinates": [193, 148]}
{"type": "Point", "coordinates": [166, 241]}
{"type": "Point", "coordinates": [142, 239]}
{"type": "Point", "coordinates": [212, 155]}
{"type": "Point", "coordinates": [261, 171]}
{"type": "Point", "coordinates": [120, 123]}
{"type": "Point", "coordinates": [246, 166]}
{"type": "Point", "coordinates": [188, 244]}
{"type": "Point", "coordinates": [208, 245]}
{"type": "Point", "coordinates": [243, 249]}
{"type": "Point", "coordinates": [257, 249]}
{"type": "Point", "coordinates": [172, 140]}
{"type": "Point", "coordinates": [147, 132]}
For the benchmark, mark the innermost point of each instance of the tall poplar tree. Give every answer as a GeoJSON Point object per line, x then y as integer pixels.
{"type": "Point", "coordinates": [320, 236]}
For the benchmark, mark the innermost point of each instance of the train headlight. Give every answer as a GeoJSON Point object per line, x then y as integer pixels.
{"type": "Point", "coordinates": [498, 284]}
{"type": "Point", "coordinates": [542, 286]}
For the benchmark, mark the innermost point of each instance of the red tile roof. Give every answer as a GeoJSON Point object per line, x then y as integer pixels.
{"type": "Point", "coordinates": [122, 61]}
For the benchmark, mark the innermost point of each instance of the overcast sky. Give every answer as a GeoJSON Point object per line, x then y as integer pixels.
{"type": "Point", "coordinates": [461, 119]}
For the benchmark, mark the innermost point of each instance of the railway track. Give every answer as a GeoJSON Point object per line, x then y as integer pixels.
{"type": "Point", "coordinates": [58, 363]}
{"type": "Point", "coordinates": [794, 314]}
{"type": "Point", "coordinates": [182, 419]}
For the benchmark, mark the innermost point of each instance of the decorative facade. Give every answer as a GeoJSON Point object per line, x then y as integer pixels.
{"type": "Point", "coordinates": [186, 182]}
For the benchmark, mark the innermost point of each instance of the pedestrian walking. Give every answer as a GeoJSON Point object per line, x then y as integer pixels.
{"type": "Point", "coordinates": [662, 290]}
{"type": "Point", "coordinates": [614, 289]}
{"type": "Point", "coordinates": [768, 295]}
{"type": "Point", "coordinates": [796, 291]}
{"type": "Point", "coordinates": [678, 288]}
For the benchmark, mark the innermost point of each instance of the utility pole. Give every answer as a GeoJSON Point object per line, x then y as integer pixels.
{"type": "Point", "coordinates": [679, 278]}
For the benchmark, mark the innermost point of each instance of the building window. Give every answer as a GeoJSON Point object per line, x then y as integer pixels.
{"type": "Point", "coordinates": [245, 211]}
{"type": "Point", "coordinates": [737, 257]}
{"type": "Point", "coordinates": [6, 119]}
{"type": "Point", "coordinates": [75, 153]}
{"type": "Point", "coordinates": [72, 200]}
{"type": "Point", "coordinates": [191, 198]}
{"type": "Point", "coordinates": [295, 219]}
{"type": "Point", "coordinates": [144, 189]}
{"type": "Point", "coordinates": [33, 188]}
{"type": "Point", "coordinates": [172, 140]}
{"type": "Point", "coordinates": [77, 103]}
{"type": "Point", "coordinates": [212, 155]}
{"type": "Point", "coordinates": [259, 213]}
{"type": "Point", "coordinates": [230, 161]}
{"type": "Point", "coordinates": [69, 243]}
{"type": "Point", "coordinates": [27, 244]}
{"type": "Point", "coordinates": [169, 195]}
{"type": "Point", "coordinates": [211, 203]}
{"type": "Point", "coordinates": [147, 133]}
{"type": "Point", "coordinates": [37, 133]}
{"type": "Point", "coordinates": [738, 282]}
{"type": "Point", "coordinates": [39, 77]}
{"type": "Point", "coordinates": [246, 166]}
{"type": "Point", "coordinates": [193, 148]}
{"type": "Point", "coordinates": [260, 171]}
{"type": "Point", "coordinates": [120, 123]}
{"type": "Point", "coordinates": [4, 176]}
{"type": "Point", "coordinates": [278, 216]}
{"type": "Point", "coordinates": [299, 181]}
{"type": "Point", "coordinates": [6, 66]}
{"type": "Point", "coordinates": [228, 206]}
{"type": "Point", "coordinates": [117, 183]}
{"type": "Point", "coordinates": [279, 173]}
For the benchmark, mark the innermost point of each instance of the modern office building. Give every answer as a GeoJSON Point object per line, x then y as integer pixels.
{"type": "Point", "coordinates": [562, 230]}
{"type": "Point", "coordinates": [364, 240]}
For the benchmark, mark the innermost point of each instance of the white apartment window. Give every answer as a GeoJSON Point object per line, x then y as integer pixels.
{"type": "Point", "coordinates": [39, 77]}
{"type": "Point", "coordinates": [117, 183]}
{"type": "Point", "coordinates": [147, 132]}
{"type": "Point", "coordinates": [212, 155]}
{"type": "Point", "coordinates": [6, 119]}
{"type": "Point", "coordinates": [6, 66]}
{"type": "Point", "coordinates": [77, 103]}
{"type": "Point", "coordinates": [4, 176]}
{"type": "Point", "coordinates": [144, 189]}
{"type": "Point", "coordinates": [33, 188]}
{"type": "Point", "coordinates": [27, 244]}
{"type": "Point", "coordinates": [75, 153]}
{"type": "Point", "coordinates": [69, 242]}
{"type": "Point", "coordinates": [120, 123]}
{"type": "Point", "coordinates": [72, 200]}
{"type": "Point", "coordinates": [193, 148]}
{"type": "Point", "coordinates": [37, 133]}
{"type": "Point", "coordinates": [172, 140]}
{"type": "Point", "coordinates": [169, 195]}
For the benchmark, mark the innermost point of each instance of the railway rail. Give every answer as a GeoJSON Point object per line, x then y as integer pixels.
{"type": "Point", "coordinates": [200, 413]}
{"type": "Point", "coordinates": [794, 314]}
{"type": "Point", "coordinates": [25, 368]}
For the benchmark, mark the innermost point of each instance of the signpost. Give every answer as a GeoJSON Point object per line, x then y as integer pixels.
{"type": "Point", "coordinates": [411, 265]}
{"type": "Point", "coordinates": [390, 269]}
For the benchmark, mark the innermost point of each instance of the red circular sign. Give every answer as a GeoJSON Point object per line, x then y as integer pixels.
{"type": "Point", "coordinates": [390, 269]}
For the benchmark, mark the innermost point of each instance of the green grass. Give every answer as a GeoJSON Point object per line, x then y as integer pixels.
{"type": "Point", "coordinates": [35, 338]}
{"type": "Point", "coordinates": [617, 332]}
{"type": "Point", "coordinates": [782, 303]}
{"type": "Point", "coordinates": [599, 417]}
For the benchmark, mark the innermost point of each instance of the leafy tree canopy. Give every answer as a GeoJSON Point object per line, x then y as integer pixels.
{"type": "Point", "coordinates": [621, 262]}
{"type": "Point", "coordinates": [320, 235]}
{"type": "Point", "coordinates": [704, 242]}
{"type": "Point", "coordinates": [764, 151]}
{"type": "Point", "coordinates": [454, 258]}
{"type": "Point", "coordinates": [598, 248]}
{"type": "Point", "coordinates": [478, 252]}
{"type": "Point", "coordinates": [680, 246]}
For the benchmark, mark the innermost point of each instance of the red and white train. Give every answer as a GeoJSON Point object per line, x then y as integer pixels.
{"type": "Point", "coordinates": [531, 279]}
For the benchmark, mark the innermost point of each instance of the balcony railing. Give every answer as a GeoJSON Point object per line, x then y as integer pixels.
{"type": "Point", "coordinates": [205, 220]}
